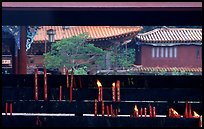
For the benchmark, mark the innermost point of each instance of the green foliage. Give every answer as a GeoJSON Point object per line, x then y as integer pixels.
{"type": "Point", "coordinates": [126, 59]}
{"type": "Point", "coordinates": [73, 52]}
{"type": "Point", "coordinates": [123, 59]}
{"type": "Point", "coordinates": [101, 62]}
{"type": "Point", "coordinates": [80, 71]}
{"type": "Point", "coordinates": [76, 53]}
{"type": "Point", "coordinates": [52, 61]}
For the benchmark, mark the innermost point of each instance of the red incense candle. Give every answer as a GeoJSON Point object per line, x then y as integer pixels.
{"type": "Point", "coordinates": [154, 112]}
{"type": "Point", "coordinates": [45, 84]}
{"type": "Point", "coordinates": [107, 110]}
{"type": "Point", "coordinates": [141, 112]}
{"type": "Point", "coordinates": [101, 93]}
{"type": "Point", "coordinates": [71, 87]}
{"type": "Point", "coordinates": [174, 113]}
{"type": "Point", "coordinates": [36, 84]}
{"type": "Point", "coordinates": [170, 112]}
{"type": "Point", "coordinates": [111, 110]}
{"type": "Point", "coordinates": [118, 90]}
{"type": "Point", "coordinates": [103, 108]}
{"type": "Point", "coordinates": [136, 111]}
{"type": "Point", "coordinates": [116, 112]}
{"type": "Point", "coordinates": [113, 92]}
{"type": "Point", "coordinates": [100, 96]}
{"type": "Point", "coordinates": [95, 108]}
{"type": "Point", "coordinates": [186, 110]}
{"type": "Point", "coordinates": [6, 108]}
{"type": "Point", "coordinates": [145, 112]}
{"type": "Point", "coordinates": [200, 121]}
{"type": "Point", "coordinates": [67, 77]}
{"type": "Point", "coordinates": [190, 113]}
{"type": "Point", "coordinates": [11, 109]}
{"type": "Point", "coordinates": [72, 77]}
{"type": "Point", "coordinates": [150, 111]}
{"type": "Point", "coordinates": [60, 94]}
{"type": "Point", "coordinates": [70, 94]}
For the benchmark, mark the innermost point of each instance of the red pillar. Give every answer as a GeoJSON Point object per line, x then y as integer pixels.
{"type": "Point", "coordinates": [22, 62]}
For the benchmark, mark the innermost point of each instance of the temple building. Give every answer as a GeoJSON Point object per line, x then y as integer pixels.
{"type": "Point", "coordinates": [160, 50]}
{"type": "Point", "coordinates": [169, 49]}
{"type": "Point", "coordinates": [103, 37]}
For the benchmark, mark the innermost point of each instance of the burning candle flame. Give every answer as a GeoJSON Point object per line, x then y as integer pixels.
{"type": "Point", "coordinates": [195, 114]}
{"type": "Point", "coordinates": [174, 111]}
{"type": "Point", "coordinates": [135, 108]}
{"type": "Point", "coordinates": [113, 84]}
{"type": "Point", "coordinates": [99, 83]}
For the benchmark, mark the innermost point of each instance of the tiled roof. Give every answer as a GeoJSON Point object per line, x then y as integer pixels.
{"type": "Point", "coordinates": [95, 32]}
{"type": "Point", "coordinates": [172, 35]}
{"type": "Point", "coordinates": [165, 69]}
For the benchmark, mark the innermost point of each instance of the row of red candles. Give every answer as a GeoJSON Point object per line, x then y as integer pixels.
{"type": "Point", "coordinates": [172, 112]}
{"type": "Point", "coordinates": [45, 84]}
{"type": "Point", "coordinates": [152, 111]}
{"type": "Point", "coordinates": [115, 87]}
{"type": "Point", "coordinates": [115, 91]}
{"type": "Point", "coordinates": [188, 112]}
{"type": "Point", "coordinates": [112, 112]}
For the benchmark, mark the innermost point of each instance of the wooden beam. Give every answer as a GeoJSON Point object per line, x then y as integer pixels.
{"type": "Point", "coordinates": [102, 4]}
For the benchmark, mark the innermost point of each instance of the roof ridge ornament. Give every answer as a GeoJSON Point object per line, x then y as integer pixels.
{"type": "Point", "coordinates": [66, 27]}
{"type": "Point", "coordinates": [164, 27]}
{"type": "Point", "coordinates": [176, 35]}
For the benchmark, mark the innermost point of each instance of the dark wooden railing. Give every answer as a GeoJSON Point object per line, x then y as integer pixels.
{"type": "Point", "coordinates": [19, 90]}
